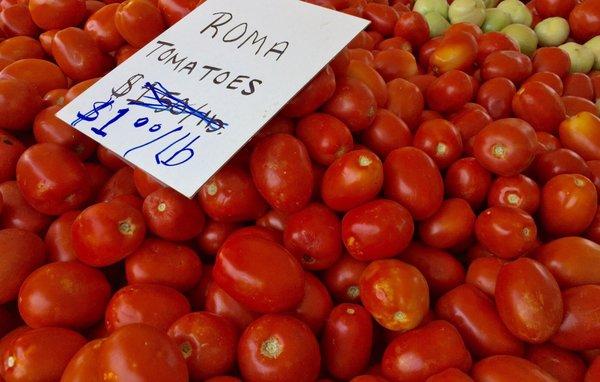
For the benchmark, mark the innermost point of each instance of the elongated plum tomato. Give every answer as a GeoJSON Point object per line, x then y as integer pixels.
{"type": "Point", "coordinates": [100, 26]}
{"type": "Point", "coordinates": [260, 274]}
{"type": "Point", "coordinates": [580, 327]}
{"type": "Point", "coordinates": [395, 293]}
{"type": "Point", "coordinates": [282, 172]}
{"type": "Point", "coordinates": [581, 133]}
{"type": "Point", "coordinates": [105, 233]}
{"type": "Point", "coordinates": [538, 104]}
{"type": "Point", "coordinates": [353, 103]}
{"type": "Point", "coordinates": [19, 104]}
{"type": "Point", "coordinates": [139, 21]}
{"type": "Point", "coordinates": [52, 178]}
{"type": "Point", "coordinates": [515, 191]}
{"type": "Point", "coordinates": [509, 368]}
{"type": "Point", "coordinates": [313, 95]}
{"type": "Point", "coordinates": [326, 138]}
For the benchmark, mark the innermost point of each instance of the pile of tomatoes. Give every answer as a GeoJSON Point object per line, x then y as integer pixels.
{"type": "Point", "coordinates": [425, 209]}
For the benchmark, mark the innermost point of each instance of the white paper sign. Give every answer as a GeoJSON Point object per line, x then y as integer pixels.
{"type": "Point", "coordinates": [186, 102]}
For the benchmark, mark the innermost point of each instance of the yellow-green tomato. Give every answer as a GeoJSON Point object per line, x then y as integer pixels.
{"type": "Point", "coordinates": [467, 11]}
{"type": "Point", "coordinates": [552, 31]}
{"type": "Point", "coordinates": [524, 36]}
{"type": "Point", "coordinates": [495, 20]}
{"type": "Point", "coordinates": [437, 24]}
{"type": "Point", "coordinates": [518, 12]}
{"type": "Point", "coordinates": [582, 58]}
{"type": "Point", "coordinates": [594, 45]}
{"type": "Point", "coordinates": [425, 6]}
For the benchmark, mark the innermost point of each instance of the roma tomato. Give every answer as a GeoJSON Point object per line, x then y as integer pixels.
{"type": "Point", "coordinates": [528, 300]}
{"type": "Point", "coordinates": [580, 328]}
{"type": "Point", "coordinates": [507, 232]}
{"type": "Point", "coordinates": [468, 180]}
{"type": "Point", "coordinates": [576, 105]}
{"type": "Point", "coordinates": [413, 27]}
{"type": "Point", "coordinates": [151, 304]}
{"type": "Point", "coordinates": [450, 375]}
{"type": "Point", "coordinates": [561, 364]}
{"type": "Point", "coordinates": [57, 14]}
{"type": "Point", "coordinates": [496, 96]}
{"type": "Point", "coordinates": [217, 301]}
{"type": "Point", "coordinates": [377, 230]}
{"type": "Point", "coordinates": [539, 105]}
{"type": "Point", "coordinates": [105, 233]}
{"type": "Point", "coordinates": [509, 368]}
{"type": "Point", "coordinates": [41, 75]}
{"type": "Point", "coordinates": [423, 352]}
{"type": "Point", "coordinates": [259, 273]}
{"type": "Point", "coordinates": [282, 172]}
{"type": "Point", "coordinates": [483, 273]}
{"type": "Point", "coordinates": [315, 305]}
{"type": "Point", "coordinates": [560, 161]}
{"type": "Point", "coordinates": [17, 213]}
{"type": "Point", "coordinates": [15, 20]}
{"type": "Point", "coordinates": [457, 51]}
{"type": "Point", "coordinates": [568, 204]}
{"type": "Point", "coordinates": [568, 270]}
{"type": "Point", "coordinates": [52, 179]}
{"type": "Point", "coordinates": [163, 262]}
{"type": "Point", "coordinates": [18, 47]}
{"type": "Point", "coordinates": [551, 59]}
{"type": "Point", "coordinates": [491, 42]}
{"type": "Point", "coordinates": [406, 101]}
{"type": "Point", "coordinates": [138, 21]}
{"type": "Point", "coordinates": [78, 56]}
{"type": "Point", "coordinates": [395, 63]}
{"type": "Point", "coordinates": [83, 366]}
{"type": "Point", "coordinates": [347, 341]}
{"type": "Point", "coordinates": [449, 92]}
{"type": "Point", "coordinates": [413, 180]}
{"type": "Point", "coordinates": [19, 103]}
{"type": "Point", "coordinates": [383, 17]}
{"type": "Point", "coordinates": [363, 72]}
{"type": "Point", "coordinates": [452, 224]}
{"type": "Point", "coordinates": [552, 8]}
{"type": "Point", "coordinates": [207, 342]}
{"type": "Point", "coordinates": [469, 121]}
{"type": "Point", "coordinates": [100, 26]}
{"type": "Point", "coordinates": [515, 191]}
{"type": "Point", "coordinates": [353, 103]}
{"type": "Point", "coordinates": [10, 150]}
{"type": "Point", "coordinates": [550, 79]}
{"type": "Point", "coordinates": [342, 279]}
{"type": "Point", "coordinates": [276, 348]}
{"type": "Point", "coordinates": [584, 20]}
{"type": "Point", "coordinates": [581, 133]}
{"type": "Point", "coordinates": [386, 133]}
{"type": "Point", "coordinates": [513, 65]}
{"type": "Point", "coordinates": [58, 240]}
{"type": "Point", "coordinates": [395, 293]}
{"type": "Point", "coordinates": [506, 146]}
{"type": "Point", "coordinates": [326, 138]}
{"type": "Point", "coordinates": [439, 139]}
{"type": "Point", "coordinates": [313, 95]}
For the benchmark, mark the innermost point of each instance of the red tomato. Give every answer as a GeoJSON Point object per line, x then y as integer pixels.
{"type": "Point", "coordinates": [278, 347]}
{"type": "Point", "coordinates": [575, 105]}
{"type": "Point", "coordinates": [483, 273]}
{"type": "Point", "coordinates": [561, 364]}
{"type": "Point", "coordinates": [506, 146]}
{"type": "Point", "coordinates": [568, 204]}
{"type": "Point", "coordinates": [105, 233]}
{"type": "Point", "coordinates": [395, 293]}
{"type": "Point", "coordinates": [395, 63]}
{"type": "Point", "coordinates": [552, 8]}
{"type": "Point", "coordinates": [449, 92]}
{"type": "Point", "coordinates": [580, 328]}
{"type": "Point", "coordinates": [19, 47]}
{"type": "Point", "coordinates": [52, 179]}
{"type": "Point", "coordinates": [406, 101]}
{"type": "Point", "coordinates": [175, 10]}
{"type": "Point", "coordinates": [78, 55]}
{"type": "Point", "coordinates": [515, 191]}
{"type": "Point", "coordinates": [57, 14]}
{"type": "Point", "coordinates": [145, 183]}
{"type": "Point", "coordinates": [19, 103]}
{"type": "Point", "coordinates": [313, 236]}
{"type": "Point", "coordinates": [16, 21]}
{"type": "Point", "coordinates": [468, 180]}
{"type": "Point", "coordinates": [39, 354]}
{"type": "Point", "coordinates": [451, 225]}
{"type": "Point", "coordinates": [423, 352]}
{"type": "Point", "coordinates": [17, 213]}
{"type": "Point", "coordinates": [457, 51]}
{"type": "Point", "coordinates": [222, 304]}
{"type": "Point", "coordinates": [10, 150]}
{"type": "Point", "coordinates": [584, 20]}
{"type": "Point", "coordinates": [383, 17]}
{"type": "Point", "coordinates": [386, 133]}
{"type": "Point", "coordinates": [509, 368]}
{"type": "Point", "coordinates": [442, 271]}
{"type": "Point", "coordinates": [259, 273]}
{"type": "Point", "coordinates": [121, 183]}
{"type": "Point", "coordinates": [315, 305]}
{"type": "Point", "coordinates": [450, 375]}
{"type": "Point", "coordinates": [377, 230]}
{"type": "Point", "coordinates": [550, 79]}
{"type": "Point", "coordinates": [101, 27]}
{"type": "Point", "coordinates": [539, 105]}
{"type": "Point", "coordinates": [138, 21]}
{"type": "Point", "coordinates": [41, 75]}
{"type": "Point", "coordinates": [83, 366]}
{"type": "Point", "coordinates": [347, 341]}
{"type": "Point", "coordinates": [560, 161]}
{"type": "Point", "coordinates": [547, 142]}
{"type": "Point", "coordinates": [162, 262]}
{"type": "Point", "coordinates": [513, 65]}
{"type": "Point", "coordinates": [569, 270]}
{"type": "Point", "coordinates": [313, 95]}
{"type": "Point", "coordinates": [496, 96]}
{"type": "Point", "coordinates": [213, 236]}
{"type": "Point", "coordinates": [426, 51]}
{"type": "Point", "coordinates": [413, 180]}
{"type": "Point", "coordinates": [507, 232]}
{"type": "Point", "coordinates": [528, 300]}
{"type": "Point", "coordinates": [137, 304]}
{"type": "Point", "coordinates": [494, 41]}
{"type": "Point", "coordinates": [580, 85]}
{"type": "Point", "coordinates": [59, 242]}
{"type": "Point", "coordinates": [282, 172]}
{"type": "Point", "coordinates": [207, 342]}
{"type": "Point", "coordinates": [439, 139]}
{"type": "Point", "coordinates": [413, 27]}
{"type": "Point", "coordinates": [551, 59]}
{"type": "Point", "coordinates": [342, 279]}
{"type": "Point", "coordinates": [469, 121]}
{"type": "Point", "coordinates": [353, 103]}
{"type": "Point", "coordinates": [326, 138]}
{"type": "Point", "coordinates": [581, 133]}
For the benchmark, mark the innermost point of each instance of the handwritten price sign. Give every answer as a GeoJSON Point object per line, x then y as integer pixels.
{"type": "Point", "coordinates": [185, 103]}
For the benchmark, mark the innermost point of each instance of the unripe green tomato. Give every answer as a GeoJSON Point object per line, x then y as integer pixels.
{"type": "Point", "coordinates": [582, 58]}
{"type": "Point", "coordinates": [518, 12]}
{"type": "Point", "coordinates": [495, 20]}
{"type": "Point", "coordinates": [524, 36]}
{"type": "Point", "coordinates": [437, 24]}
{"type": "Point", "coordinates": [552, 31]}
{"type": "Point", "coordinates": [594, 45]}
{"type": "Point", "coordinates": [467, 11]}
{"type": "Point", "coordinates": [425, 6]}
{"type": "Point", "coordinates": [491, 3]}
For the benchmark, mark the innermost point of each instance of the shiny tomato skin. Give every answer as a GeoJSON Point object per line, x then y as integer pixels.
{"type": "Point", "coordinates": [383, 17]}
{"type": "Point", "coordinates": [39, 354]}
{"type": "Point", "coordinates": [395, 63]}
{"type": "Point", "coordinates": [395, 293]}
{"type": "Point", "coordinates": [569, 203]}
{"type": "Point", "coordinates": [581, 133]}
{"type": "Point", "coordinates": [288, 185]}
{"type": "Point", "coordinates": [412, 179]}
{"type": "Point", "coordinates": [593, 230]}
{"type": "Point", "coordinates": [366, 73]}
{"type": "Point", "coordinates": [386, 133]}
{"type": "Point", "coordinates": [57, 14]}
{"type": "Point", "coordinates": [547, 142]}
{"type": "Point", "coordinates": [483, 273]}
{"type": "Point", "coordinates": [18, 47]}
{"type": "Point", "coordinates": [528, 300]}
{"type": "Point", "coordinates": [550, 79]}
{"type": "Point", "coordinates": [138, 21]}
{"type": "Point", "coordinates": [230, 196]}
{"type": "Point", "coordinates": [259, 273]}
{"type": "Point", "coordinates": [468, 180]}
{"type": "Point", "coordinates": [83, 366]}
{"type": "Point", "coordinates": [418, 354]}
{"type": "Point", "coordinates": [439, 139]}
{"type": "Point", "coordinates": [575, 105]}
{"type": "Point", "coordinates": [506, 146]}
{"type": "Point", "coordinates": [515, 191]}
{"type": "Point", "coordinates": [551, 8]}
{"type": "Point", "coordinates": [442, 271]}
{"type": "Point", "coordinates": [353, 103]}
{"type": "Point", "coordinates": [313, 95]}
{"type": "Point", "coordinates": [476, 319]}
{"type": "Point", "coordinates": [342, 279]}
{"type": "Point", "coordinates": [17, 213]}
{"type": "Point", "coordinates": [52, 179]}
{"type": "Point", "coordinates": [313, 236]}
{"type": "Point", "coordinates": [101, 27]}
{"type": "Point", "coordinates": [450, 375]}
{"type": "Point", "coordinates": [353, 179]}
{"type": "Point", "coordinates": [457, 51]}
{"type": "Point", "coordinates": [551, 59]}
{"type": "Point", "coordinates": [315, 305]}
{"type": "Point", "coordinates": [347, 341]}
{"type": "Point", "coordinates": [540, 105]}
{"type": "Point", "coordinates": [584, 20]}
{"type": "Point", "coordinates": [406, 101]}
{"type": "Point", "coordinates": [561, 364]}
{"type": "Point", "coordinates": [496, 95]}
{"type": "Point", "coordinates": [579, 329]}
{"type": "Point", "coordinates": [145, 183]}
{"type": "Point", "coordinates": [16, 20]}
{"type": "Point", "coordinates": [452, 224]}
{"type": "Point", "coordinates": [105, 233]}
{"type": "Point", "coordinates": [58, 240]}
{"type": "Point", "coordinates": [494, 41]}
{"type": "Point", "coordinates": [278, 347]}
{"type": "Point", "coordinates": [377, 230]}
{"type": "Point", "coordinates": [64, 294]}
{"type": "Point", "coordinates": [208, 343]}
{"type": "Point", "coordinates": [11, 149]}
{"type": "Point", "coordinates": [556, 162]}
{"type": "Point", "coordinates": [20, 253]}
{"type": "Point", "coordinates": [469, 121]}
{"type": "Point", "coordinates": [120, 183]}
{"type": "Point", "coordinates": [78, 56]}
{"type": "Point", "coordinates": [152, 304]}
{"type": "Point", "coordinates": [326, 138]}
{"type": "Point", "coordinates": [172, 216]}
{"type": "Point", "coordinates": [513, 65]}
{"type": "Point", "coordinates": [413, 27]}
{"type": "Point", "coordinates": [217, 301]}
{"type": "Point", "coordinates": [41, 75]}
{"type": "Point", "coordinates": [569, 270]}
{"type": "Point", "coordinates": [163, 262]}
{"type": "Point", "coordinates": [449, 92]}
{"type": "Point", "coordinates": [507, 232]}
{"type": "Point", "coordinates": [501, 368]}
